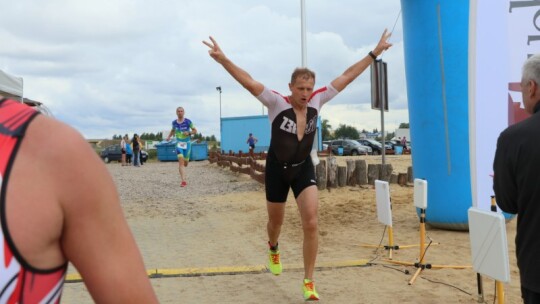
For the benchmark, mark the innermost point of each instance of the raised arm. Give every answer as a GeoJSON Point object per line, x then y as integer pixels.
{"type": "Point", "coordinates": [250, 84]}
{"type": "Point", "coordinates": [342, 81]}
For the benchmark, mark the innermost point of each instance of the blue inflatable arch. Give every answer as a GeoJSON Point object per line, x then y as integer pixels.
{"type": "Point", "coordinates": [436, 63]}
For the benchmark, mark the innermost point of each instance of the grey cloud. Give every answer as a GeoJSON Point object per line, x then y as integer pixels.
{"type": "Point", "coordinates": [115, 66]}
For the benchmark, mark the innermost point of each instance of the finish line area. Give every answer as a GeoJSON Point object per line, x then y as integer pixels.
{"type": "Point", "coordinates": [231, 270]}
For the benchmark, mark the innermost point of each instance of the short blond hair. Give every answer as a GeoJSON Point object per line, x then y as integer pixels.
{"type": "Point", "coordinates": [304, 73]}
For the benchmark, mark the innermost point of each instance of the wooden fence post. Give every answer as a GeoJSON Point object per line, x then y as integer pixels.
{"type": "Point", "coordinates": [351, 177]}
{"type": "Point", "coordinates": [385, 172]}
{"type": "Point", "coordinates": [342, 176]}
{"type": "Point", "coordinates": [373, 173]}
{"type": "Point", "coordinates": [332, 172]}
{"type": "Point", "coordinates": [402, 179]}
{"type": "Point", "coordinates": [361, 172]}
{"type": "Point", "coordinates": [320, 172]}
{"type": "Point", "coordinates": [410, 177]}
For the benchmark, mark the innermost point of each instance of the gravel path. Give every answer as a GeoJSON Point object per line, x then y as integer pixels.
{"type": "Point", "coordinates": [154, 188]}
{"type": "Point", "coordinates": [161, 180]}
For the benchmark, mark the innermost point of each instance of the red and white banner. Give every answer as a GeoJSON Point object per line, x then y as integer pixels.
{"type": "Point", "coordinates": [502, 34]}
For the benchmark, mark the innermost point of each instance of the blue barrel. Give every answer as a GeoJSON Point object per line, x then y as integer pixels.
{"type": "Point", "coordinates": [166, 151]}
{"type": "Point", "coordinates": [199, 151]}
{"type": "Point", "coordinates": [340, 151]}
{"type": "Point", "coordinates": [436, 65]}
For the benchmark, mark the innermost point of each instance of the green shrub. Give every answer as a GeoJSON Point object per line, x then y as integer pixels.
{"type": "Point", "coordinates": [152, 154]}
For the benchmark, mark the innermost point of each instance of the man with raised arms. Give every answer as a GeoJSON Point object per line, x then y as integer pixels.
{"type": "Point", "coordinates": [288, 164]}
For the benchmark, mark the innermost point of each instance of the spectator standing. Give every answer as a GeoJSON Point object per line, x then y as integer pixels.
{"type": "Point", "coordinates": [516, 180]}
{"type": "Point", "coordinates": [123, 147]}
{"type": "Point", "coordinates": [129, 151]}
{"type": "Point", "coordinates": [404, 143]}
{"type": "Point", "coordinates": [251, 141]}
{"type": "Point", "coordinates": [136, 150]}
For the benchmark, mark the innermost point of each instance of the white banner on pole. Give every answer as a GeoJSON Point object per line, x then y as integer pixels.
{"type": "Point", "coordinates": [502, 35]}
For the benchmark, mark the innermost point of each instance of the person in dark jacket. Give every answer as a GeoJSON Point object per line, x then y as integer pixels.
{"type": "Point", "coordinates": [136, 144]}
{"type": "Point", "coordinates": [516, 180]}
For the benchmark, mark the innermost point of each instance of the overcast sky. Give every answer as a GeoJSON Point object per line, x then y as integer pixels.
{"type": "Point", "coordinates": [110, 67]}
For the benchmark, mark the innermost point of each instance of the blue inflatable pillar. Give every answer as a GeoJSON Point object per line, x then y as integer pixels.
{"type": "Point", "coordinates": [436, 51]}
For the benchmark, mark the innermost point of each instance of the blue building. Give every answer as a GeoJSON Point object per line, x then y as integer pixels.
{"type": "Point", "coordinates": [235, 131]}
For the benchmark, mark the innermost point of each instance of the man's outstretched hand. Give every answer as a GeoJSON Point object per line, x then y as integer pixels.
{"type": "Point", "coordinates": [215, 51]}
{"type": "Point", "coordinates": [383, 44]}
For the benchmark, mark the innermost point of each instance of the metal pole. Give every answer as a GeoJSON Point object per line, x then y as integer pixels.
{"type": "Point", "coordinates": [498, 284]}
{"type": "Point", "coordinates": [303, 32]}
{"type": "Point", "coordinates": [380, 67]}
{"type": "Point", "coordinates": [315, 146]}
{"type": "Point", "coordinates": [382, 131]}
{"type": "Point", "coordinates": [480, 288]}
{"type": "Point", "coordinates": [219, 90]}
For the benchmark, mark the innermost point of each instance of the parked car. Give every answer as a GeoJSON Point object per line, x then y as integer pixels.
{"type": "Point", "coordinates": [350, 147]}
{"type": "Point", "coordinates": [144, 156]}
{"type": "Point", "coordinates": [114, 153]}
{"type": "Point", "coordinates": [375, 146]}
{"type": "Point", "coordinates": [111, 153]}
{"type": "Point", "coordinates": [397, 142]}
{"type": "Point", "coordinates": [389, 145]}
{"type": "Point", "coordinates": [326, 144]}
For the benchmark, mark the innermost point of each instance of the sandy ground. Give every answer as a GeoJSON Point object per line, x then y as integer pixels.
{"type": "Point", "coordinates": [206, 225]}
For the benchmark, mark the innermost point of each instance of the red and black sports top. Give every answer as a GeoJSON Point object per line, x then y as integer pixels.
{"type": "Point", "coordinates": [19, 281]}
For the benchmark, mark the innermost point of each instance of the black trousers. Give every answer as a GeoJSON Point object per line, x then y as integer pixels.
{"type": "Point", "coordinates": [529, 296]}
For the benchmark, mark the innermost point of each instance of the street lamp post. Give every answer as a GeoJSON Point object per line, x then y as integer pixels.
{"type": "Point", "coordinates": [219, 90]}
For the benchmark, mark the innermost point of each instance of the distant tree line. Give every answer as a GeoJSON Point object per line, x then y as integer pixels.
{"type": "Point", "coordinates": [342, 131]}
{"type": "Point", "coordinates": [204, 138]}
{"type": "Point", "coordinates": [144, 136]}
{"type": "Point", "coordinates": [345, 131]}
{"type": "Point", "coordinates": [159, 136]}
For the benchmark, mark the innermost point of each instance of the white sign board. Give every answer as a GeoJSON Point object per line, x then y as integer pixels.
{"type": "Point", "coordinates": [420, 193]}
{"type": "Point", "coordinates": [489, 246]}
{"type": "Point", "coordinates": [384, 208]}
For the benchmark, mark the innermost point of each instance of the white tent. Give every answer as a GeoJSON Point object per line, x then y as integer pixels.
{"type": "Point", "coordinates": [38, 105]}
{"type": "Point", "coordinates": [11, 86]}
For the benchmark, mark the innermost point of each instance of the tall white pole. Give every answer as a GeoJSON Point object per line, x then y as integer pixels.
{"type": "Point", "coordinates": [303, 31]}
{"type": "Point", "coordinates": [219, 90]}
{"type": "Point", "coordinates": [220, 122]}
{"type": "Point", "coordinates": [315, 147]}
